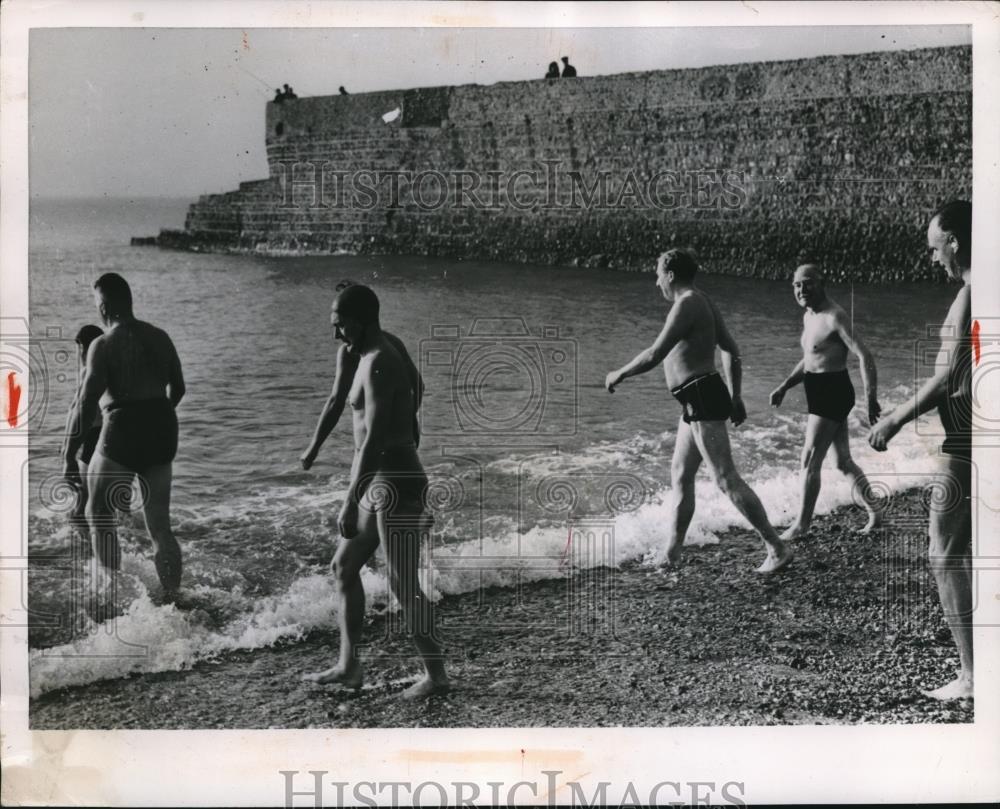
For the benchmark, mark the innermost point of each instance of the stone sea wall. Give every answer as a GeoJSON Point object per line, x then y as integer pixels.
{"type": "Point", "coordinates": [841, 158]}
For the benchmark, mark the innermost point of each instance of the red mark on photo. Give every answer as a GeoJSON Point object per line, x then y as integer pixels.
{"type": "Point", "coordinates": [13, 399]}
{"type": "Point", "coordinates": [975, 340]}
{"type": "Point", "coordinates": [246, 42]}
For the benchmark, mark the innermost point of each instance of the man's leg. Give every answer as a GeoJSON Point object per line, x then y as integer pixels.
{"type": "Point", "coordinates": [78, 518]}
{"type": "Point", "coordinates": [683, 468]}
{"type": "Point", "coordinates": [713, 443]}
{"type": "Point", "coordinates": [857, 478]}
{"type": "Point", "coordinates": [950, 557]}
{"type": "Point", "coordinates": [346, 566]}
{"type": "Point", "coordinates": [401, 532]}
{"type": "Point", "coordinates": [105, 480]}
{"type": "Point", "coordinates": [156, 509]}
{"type": "Point", "coordinates": [819, 436]}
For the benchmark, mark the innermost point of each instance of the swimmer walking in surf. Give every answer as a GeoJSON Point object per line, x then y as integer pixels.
{"type": "Point", "coordinates": [827, 336]}
{"type": "Point", "coordinates": [78, 518]}
{"type": "Point", "coordinates": [134, 372]}
{"type": "Point", "coordinates": [385, 498]}
{"type": "Point", "coordinates": [686, 349]}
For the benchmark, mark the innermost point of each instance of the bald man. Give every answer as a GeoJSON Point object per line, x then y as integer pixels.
{"type": "Point", "coordinates": [827, 338]}
{"type": "Point", "coordinates": [385, 498]}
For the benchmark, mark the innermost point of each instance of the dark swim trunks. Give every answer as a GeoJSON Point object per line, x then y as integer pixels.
{"type": "Point", "coordinates": [956, 418]}
{"type": "Point", "coordinates": [704, 398]}
{"type": "Point", "coordinates": [956, 410]}
{"type": "Point", "coordinates": [400, 483]}
{"type": "Point", "coordinates": [140, 434]}
{"type": "Point", "coordinates": [90, 440]}
{"type": "Point", "coordinates": [829, 395]}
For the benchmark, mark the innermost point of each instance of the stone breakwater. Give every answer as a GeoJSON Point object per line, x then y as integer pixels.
{"type": "Point", "coordinates": [840, 158]}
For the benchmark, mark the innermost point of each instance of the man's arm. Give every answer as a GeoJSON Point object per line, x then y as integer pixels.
{"type": "Point", "coordinates": [869, 377]}
{"type": "Point", "coordinates": [929, 396]}
{"type": "Point", "coordinates": [347, 365]}
{"type": "Point", "coordinates": [677, 325]}
{"type": "Point", "coordinates": [379, 392]}
{"type": "Point", "coordinates": [70, 415]}
{"type": "Point", "coordinates": [732, 365]}
{"type": "Point", "coordinates": [176, 375]}
{"type": "Point", "coordinates": [793, 379]}
{"type": "Point", "coordinates": [934, 391]}
{"type": "Point", "coordinates": [95, 382]}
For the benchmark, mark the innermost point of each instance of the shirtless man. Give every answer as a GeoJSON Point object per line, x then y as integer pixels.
{"type": "Point", "coordinates": [949, 241]}
{"type": "Point", "coordinates": [132, 370]}
{"type": "Point", "coordinates": [827, 336]}
{"type": "Point", "coordinates": [343, 379]}
{"type": "Point", "coordinates": [385, 498]}
{"type": "Point", "coordinates": [686, 348]}
{"type": "Point", "coordinates": [78, 519]}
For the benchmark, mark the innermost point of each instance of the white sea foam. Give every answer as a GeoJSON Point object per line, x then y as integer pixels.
{"type": "Point", "coordinates": [223, 617]}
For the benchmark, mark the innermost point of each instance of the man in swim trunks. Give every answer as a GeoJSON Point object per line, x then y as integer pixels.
{"type": "Point", "coordinates": [686, 349]}
{"type": "Point", "coordinates": [78, 520]}
{"type": "Point", "coordinates": [385, 499]}
{"type": "Point", "coordinates": [347, 366]}
{"type": "Point", "coordinates": [827, 336]}
{"type": "Point", "coordinates": [132, 370]}
{"type": "Point", "coordinates": [949, 241]}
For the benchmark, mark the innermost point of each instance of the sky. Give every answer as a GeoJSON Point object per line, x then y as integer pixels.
{"type": "Point", "coordinates": [178, 112]}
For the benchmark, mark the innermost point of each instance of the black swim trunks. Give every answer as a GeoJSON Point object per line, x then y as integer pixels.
{"type": "Point", "coordinates": [956, 410]}
{"type": "Point", "coordinates": [140, 434]}
{"type": "Point", "coordinates": [90, 439]}
{"type": "Point", "coordinates": [705, 398]}
{"type": "Point", "coordinates": [829, 395]}
{"type": "Point", "coordinates": [400, 483]}
{"type": "Point", "coordinates": [956, 418]}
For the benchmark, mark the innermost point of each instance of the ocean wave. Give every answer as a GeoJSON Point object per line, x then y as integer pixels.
{"type": "Point", "coordinates": [227, 612]}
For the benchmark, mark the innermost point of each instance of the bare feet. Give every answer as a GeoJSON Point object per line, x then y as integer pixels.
{"type": "Point", "coordinates": [795, 531]}
{"type": "Point", "coordinates": [776, 561]}
{"type": "Point", "coordinates": [427, 687]}
{"type": "Point", "coordinates": [349, 678]}
{"type": "Point", "coordinates": [170, 597]}
{"type": "Point", "coordinates": [874, 521]}
{"type": "Point", "coordinates": [959, 688]}
{"type": "Point", "coordinates": [673, 558]}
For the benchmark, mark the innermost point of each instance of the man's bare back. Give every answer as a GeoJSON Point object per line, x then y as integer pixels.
{"type": "Point", "coordinates": [138, 358]}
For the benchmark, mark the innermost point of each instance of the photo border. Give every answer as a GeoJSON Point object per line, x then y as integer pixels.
{"type": "Point", "coordinates": [241, 768]}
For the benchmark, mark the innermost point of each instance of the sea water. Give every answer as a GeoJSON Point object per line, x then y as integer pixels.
{"type": "Point", "coordinates": [529, 457]}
